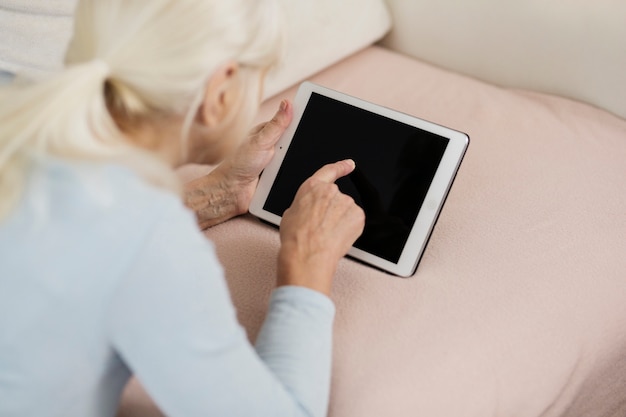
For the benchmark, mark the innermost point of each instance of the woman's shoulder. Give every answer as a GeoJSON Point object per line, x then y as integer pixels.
{"type": "Point", "coordinates": [76, 191]}
{"type": "Point", "coordinates": [99, 207]}
{"type": "Point", "coordinates": [82, 220]}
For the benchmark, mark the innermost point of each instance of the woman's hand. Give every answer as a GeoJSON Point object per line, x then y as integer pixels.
{"type": "Point", "coordinates": [318, 230]}
{"type": "Point", "coordinates": [226, 192]}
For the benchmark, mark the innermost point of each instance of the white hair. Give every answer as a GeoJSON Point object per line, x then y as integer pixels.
{"type": "Point", "coordinates": [130, 60]}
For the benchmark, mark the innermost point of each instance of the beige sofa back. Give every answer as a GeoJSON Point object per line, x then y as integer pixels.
{"type": "Point", "coordinates": [571, 48]}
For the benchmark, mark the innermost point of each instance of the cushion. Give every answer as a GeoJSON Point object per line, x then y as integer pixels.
{"type": "Point", "coordinates": [517, 307]}
{"type": "Point", "coordinates": [35, 34]}
{"type": "Point", "coordinates": [570, 48]}
{"type": "Point", "coordinates": [322, 32]}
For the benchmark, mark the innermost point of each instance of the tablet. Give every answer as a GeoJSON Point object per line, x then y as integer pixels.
{"type": "Point", "coordinates": [405, 167]}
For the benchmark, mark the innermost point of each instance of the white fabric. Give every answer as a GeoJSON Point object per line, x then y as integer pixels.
{"type": "Point", "coordinates": [34, 34]}
{"type": "Point", "coordinates": [5, 77]}
{"type": "Point", "coordinates": [322, 32]}
{"type": "Point", "coordinates": [570, 48]}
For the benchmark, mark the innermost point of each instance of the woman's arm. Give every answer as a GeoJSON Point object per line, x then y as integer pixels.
{"type": "Point", "coordinates": [173, 324]}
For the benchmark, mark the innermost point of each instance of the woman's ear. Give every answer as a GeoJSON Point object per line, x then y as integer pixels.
{"type": "Point", "coordinates": [220, 95]}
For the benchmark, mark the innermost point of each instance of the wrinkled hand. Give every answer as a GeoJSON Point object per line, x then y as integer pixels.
{"type": "Point", "coordinates": [226, 192]}
{"type": "Point", "coordinates": [318, 230]}
{"type": "Point", "coordinates": [242, 170]}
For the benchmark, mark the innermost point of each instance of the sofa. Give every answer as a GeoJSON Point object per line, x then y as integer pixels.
{"type": "Point", "coordinates": [518, 307]}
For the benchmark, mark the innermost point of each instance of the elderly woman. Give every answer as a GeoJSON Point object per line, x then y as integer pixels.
{"type": "Point", "coordinates": [103, 270]}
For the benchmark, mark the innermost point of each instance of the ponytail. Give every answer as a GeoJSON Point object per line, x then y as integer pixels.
{"type": "Point", "coordinates": [64, 115]}
{"type": "Point", "coordinates": [66, 111]}
{"type": "Point", "coordinates": [67, 116]}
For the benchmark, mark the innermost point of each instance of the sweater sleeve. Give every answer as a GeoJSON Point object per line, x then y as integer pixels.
{"type": "Point", "coordinates": [173, 323]}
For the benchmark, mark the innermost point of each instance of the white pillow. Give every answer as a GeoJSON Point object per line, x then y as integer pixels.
{"type": "Point", "coordinates": [34, 34]}
{"type": "Point", "coordinates": [322, 32]}
{"type": "Point", "coordinates": [319, 33]}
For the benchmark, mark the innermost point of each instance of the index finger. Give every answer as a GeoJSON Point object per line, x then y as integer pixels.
{"type": "Point", "coordinates": [332, 172]}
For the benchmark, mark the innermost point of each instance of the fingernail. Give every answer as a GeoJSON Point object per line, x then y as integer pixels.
{"type": "Point", "coordinates": [351, 162]}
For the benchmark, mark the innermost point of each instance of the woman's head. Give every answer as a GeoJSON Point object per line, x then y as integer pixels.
{"type": "Point", "coordinates": [162, 54]}
{"type": "Point", "coordinates": [158, 74]}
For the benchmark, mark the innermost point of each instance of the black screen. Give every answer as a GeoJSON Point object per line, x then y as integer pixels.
{"type": "Point", "coordinates": [395, 165]}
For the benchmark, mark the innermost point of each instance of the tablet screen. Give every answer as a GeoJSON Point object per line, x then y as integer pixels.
{"type": "Point", "coordinates": [395, 165]}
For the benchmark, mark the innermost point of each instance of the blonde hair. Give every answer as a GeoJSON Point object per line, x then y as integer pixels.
{"type": "Point", "coordinates": [129, 61]}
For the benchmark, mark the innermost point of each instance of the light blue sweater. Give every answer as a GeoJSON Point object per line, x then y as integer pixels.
{"type": "Point", "coordinates": [103, 276]}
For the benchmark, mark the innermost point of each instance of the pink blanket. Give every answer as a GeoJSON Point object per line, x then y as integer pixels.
{"type": "Point", "coordinates": [518, 307]}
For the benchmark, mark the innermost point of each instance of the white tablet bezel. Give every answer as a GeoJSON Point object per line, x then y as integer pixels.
{"type": "Point", "coordinates": [435, 197]}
